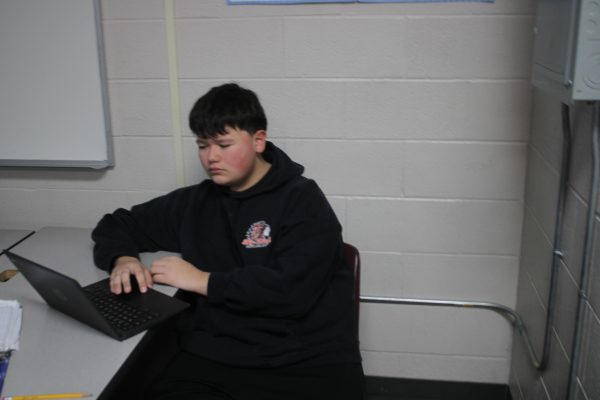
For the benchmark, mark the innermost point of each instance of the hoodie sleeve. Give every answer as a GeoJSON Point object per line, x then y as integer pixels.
{"type": "Point", "coordinates": [147, 227]}
{"type": "Point", "coordinates": [306, 256]}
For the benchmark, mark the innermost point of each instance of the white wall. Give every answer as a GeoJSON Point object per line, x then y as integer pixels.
{"type": "Point", "coordinates": [414, 118]}
{"type": "Point", "coordinates": [543, 181]}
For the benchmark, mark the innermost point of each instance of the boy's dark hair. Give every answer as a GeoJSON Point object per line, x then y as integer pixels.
{"type": "Point", "coordinates": [228, 105]}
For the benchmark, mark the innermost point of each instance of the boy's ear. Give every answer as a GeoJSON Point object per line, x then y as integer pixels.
{"type": "Point", "coordinates": [260, 141]}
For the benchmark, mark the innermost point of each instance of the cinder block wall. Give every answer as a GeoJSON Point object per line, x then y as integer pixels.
{"type": "Point", "coordinates": [414, 118]}
{"type": "Point", "coordinates": [543, 178]}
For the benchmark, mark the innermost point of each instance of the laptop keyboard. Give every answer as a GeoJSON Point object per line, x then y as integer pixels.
{"type": "Point", "coordinates": [119, 314]}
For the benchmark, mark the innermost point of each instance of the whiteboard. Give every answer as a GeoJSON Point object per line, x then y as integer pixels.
{"type": "Point", "coordinates": [53, 98]}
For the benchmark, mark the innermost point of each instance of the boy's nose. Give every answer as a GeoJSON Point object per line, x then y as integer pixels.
{"type": "Point", "coordinates": [213, 153]}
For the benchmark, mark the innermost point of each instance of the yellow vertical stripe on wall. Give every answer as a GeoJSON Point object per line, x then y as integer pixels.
{"type": "Point", "coordinates": [174, 91]}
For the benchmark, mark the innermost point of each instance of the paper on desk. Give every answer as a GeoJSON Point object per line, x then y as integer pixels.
{"type": "Point", "coordinates": [10, 325]}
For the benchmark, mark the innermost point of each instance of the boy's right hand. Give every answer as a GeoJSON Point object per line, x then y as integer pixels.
{"type": "Point", "coordinates": [126, 267]}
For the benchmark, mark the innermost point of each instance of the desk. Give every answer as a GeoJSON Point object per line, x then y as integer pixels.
{"type": "Point", "coordinates": [57, 353]}
{"type": "Point", "coordinates": [9, 237]}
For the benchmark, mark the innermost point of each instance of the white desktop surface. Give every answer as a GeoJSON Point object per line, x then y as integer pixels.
{"type": "Point", "coordinates": [8, 237]}
{"type": "Point", "coordinates": [57, 353]}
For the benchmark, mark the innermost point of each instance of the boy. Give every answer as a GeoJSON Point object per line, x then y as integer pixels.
{"type": "Point", "coordinates": [261, 263]}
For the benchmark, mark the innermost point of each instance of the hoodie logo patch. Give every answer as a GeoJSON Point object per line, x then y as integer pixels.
{"type": "Point", "coordinates": [257, 236]}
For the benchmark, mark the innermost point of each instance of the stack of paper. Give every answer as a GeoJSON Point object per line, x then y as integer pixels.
{"type": "Point", "coordinates": [10, 325]}
{"type": "Point", "coordinates": [10, 328]}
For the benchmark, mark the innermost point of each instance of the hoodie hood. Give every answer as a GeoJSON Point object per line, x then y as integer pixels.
{"type": "Point", "coordinates": [282, 170]}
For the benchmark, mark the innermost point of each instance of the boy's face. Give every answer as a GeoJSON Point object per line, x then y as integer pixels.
{"type": "Point", "coordinates": [234, 158]}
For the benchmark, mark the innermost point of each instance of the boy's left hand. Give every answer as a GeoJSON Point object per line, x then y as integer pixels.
{"type": "Point", "coordinates": [177, 272]}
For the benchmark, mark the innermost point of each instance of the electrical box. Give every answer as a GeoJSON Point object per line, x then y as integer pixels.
{"type": "Point", "coordinates": [566, 58]}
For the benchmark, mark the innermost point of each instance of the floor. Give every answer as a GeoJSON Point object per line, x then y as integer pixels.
{"type": "Point", "coordinates": [380, 388]}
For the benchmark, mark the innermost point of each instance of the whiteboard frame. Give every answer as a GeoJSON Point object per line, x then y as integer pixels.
{"type": "Point", "coordinates": [108, 161]}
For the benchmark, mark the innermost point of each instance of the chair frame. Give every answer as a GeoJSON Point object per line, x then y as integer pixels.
{"type": "Point", "coordinates": [352, 259]}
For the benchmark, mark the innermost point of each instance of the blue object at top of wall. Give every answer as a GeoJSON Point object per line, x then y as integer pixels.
{"type": "Point", "coordinates": [246, 2]}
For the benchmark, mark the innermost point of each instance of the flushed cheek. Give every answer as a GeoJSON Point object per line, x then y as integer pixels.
{"type": "Point", "coordinates": [203, 160]}
{"type": "Point", "coordinates": [239, 162]}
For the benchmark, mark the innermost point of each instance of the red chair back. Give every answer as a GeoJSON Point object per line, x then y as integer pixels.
{"type": "Point", "coordinates": [352, 258]}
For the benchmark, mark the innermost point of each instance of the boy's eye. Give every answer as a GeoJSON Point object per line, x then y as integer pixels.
{"type": "Point", "coordinates": [224, 146]}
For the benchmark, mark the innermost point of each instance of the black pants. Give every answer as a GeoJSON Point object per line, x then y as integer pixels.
{"type": "Point", "coordinates": [191, 377]}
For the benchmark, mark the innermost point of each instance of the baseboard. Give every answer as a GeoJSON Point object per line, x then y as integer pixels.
{"type": "Point", "coordinates": [380, 388]}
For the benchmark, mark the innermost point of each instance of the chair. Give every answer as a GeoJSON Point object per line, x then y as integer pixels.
{"type": "Point", "coordinates": [352, 258]}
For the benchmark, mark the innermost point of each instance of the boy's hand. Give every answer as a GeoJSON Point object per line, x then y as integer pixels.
{"type": "Point", "coordinates": [179, 273]}
{"type": "Point", "coordinates": [125, 267]}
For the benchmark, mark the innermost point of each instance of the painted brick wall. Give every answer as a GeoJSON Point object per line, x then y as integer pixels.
{"type": "Point", "coordinates": [536, 259]}
{"type": "Point", "coordinates": [414, 119]}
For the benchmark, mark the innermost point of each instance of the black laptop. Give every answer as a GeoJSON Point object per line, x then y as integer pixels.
{"type": "Point", "coordinates": [119, 316]}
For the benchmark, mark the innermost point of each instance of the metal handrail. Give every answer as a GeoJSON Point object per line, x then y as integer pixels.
{"type": "Point", "coordinates": [505, 311]}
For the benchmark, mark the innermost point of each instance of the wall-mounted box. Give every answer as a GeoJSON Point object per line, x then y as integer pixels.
{"type": "Point", "coordinates": [567, 49]}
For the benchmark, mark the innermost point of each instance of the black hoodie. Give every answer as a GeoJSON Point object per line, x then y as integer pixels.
{"type": "Point", "coordinates": [279, 292]}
